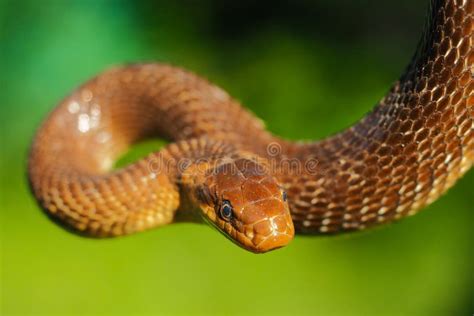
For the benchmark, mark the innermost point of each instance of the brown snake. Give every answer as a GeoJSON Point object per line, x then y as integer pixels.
{"type": "Point", "coordinates": [225, 168]}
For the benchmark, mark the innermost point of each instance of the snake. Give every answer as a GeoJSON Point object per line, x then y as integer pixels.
{"type": "Point", "coordinates": [221, 165]}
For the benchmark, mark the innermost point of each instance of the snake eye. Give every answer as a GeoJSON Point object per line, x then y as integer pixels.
{"type": "Point", "coordinates": [284, 196]}
{"type": "Point", "coordinates": [226, 210]}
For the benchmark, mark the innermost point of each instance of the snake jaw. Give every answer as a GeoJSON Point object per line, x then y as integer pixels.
{"type": "Point", "coordinates": [278, 235]}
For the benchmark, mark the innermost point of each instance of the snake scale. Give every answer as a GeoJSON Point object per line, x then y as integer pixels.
{"type": "Point", "coordinates": [224, 168]}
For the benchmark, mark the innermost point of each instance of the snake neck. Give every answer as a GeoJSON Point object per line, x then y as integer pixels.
{"type": "Point", "coordinates": [410, 149]}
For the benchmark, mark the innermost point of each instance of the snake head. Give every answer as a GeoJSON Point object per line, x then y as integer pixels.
{"type": "Point", "coordinates": [245, 202]}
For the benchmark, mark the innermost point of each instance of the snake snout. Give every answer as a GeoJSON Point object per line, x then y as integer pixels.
{"type": "Point", "coordinates": [273, 233]}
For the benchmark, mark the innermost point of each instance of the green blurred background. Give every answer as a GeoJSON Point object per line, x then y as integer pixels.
{"type": "Point", "coordinates": [309, 68]}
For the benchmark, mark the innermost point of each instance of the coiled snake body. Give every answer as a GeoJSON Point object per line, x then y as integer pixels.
{"type": "Point", "coordinates": [225, 168]}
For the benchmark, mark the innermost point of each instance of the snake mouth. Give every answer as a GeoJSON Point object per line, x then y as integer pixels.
{"type": "Point", "coordinates": [238, 238]}
{"type": "Point", "coordinates": [274, 242]}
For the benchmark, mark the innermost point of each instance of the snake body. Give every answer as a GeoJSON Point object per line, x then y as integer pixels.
{"type": "Point", "coordinates": [222, 166]}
